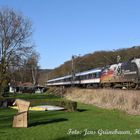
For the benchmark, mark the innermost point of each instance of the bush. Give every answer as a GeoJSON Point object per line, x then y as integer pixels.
{"type": "Point", "coordinates": [69, 105]}
{"type": "Point", "coordinates": [6, 102]}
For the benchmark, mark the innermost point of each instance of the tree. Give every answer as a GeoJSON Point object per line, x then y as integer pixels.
{"type": "Point", "coordinates": [15, 46]}
{"type": "Point", "coordinates": [32, 66]}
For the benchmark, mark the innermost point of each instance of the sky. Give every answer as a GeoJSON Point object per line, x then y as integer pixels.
{"type": "Point", "coordinates": [63, 28]}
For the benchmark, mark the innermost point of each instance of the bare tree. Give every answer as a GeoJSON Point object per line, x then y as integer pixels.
{"type": "Point", "coordinates": [15, 38]}
{"type": "Point", "coordinates": [33, 67]}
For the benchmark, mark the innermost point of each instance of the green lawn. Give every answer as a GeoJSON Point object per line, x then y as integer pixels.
{"type": "Point", "coordinates": [55, 125]}
{"type": "Point", "coordinates": [33, 96]}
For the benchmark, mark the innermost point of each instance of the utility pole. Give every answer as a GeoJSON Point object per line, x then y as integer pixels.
{"type": "Point", "coordinates": [118, 58]}
{"type": "Point", "coordinates": [72, 70]}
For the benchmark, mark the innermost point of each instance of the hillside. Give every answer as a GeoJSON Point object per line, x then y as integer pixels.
{"type": "Point", "coordinates": [94, 60]}
{"type": "Point", "coordinates": [43, 76]}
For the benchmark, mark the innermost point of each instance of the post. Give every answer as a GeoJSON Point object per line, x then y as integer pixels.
{"type": "Point", "coordinates": [118, 58]}
{"type": "Point", "coordinates": [21, 118]}
{"type": "Point", "coordinates": [72, 71]}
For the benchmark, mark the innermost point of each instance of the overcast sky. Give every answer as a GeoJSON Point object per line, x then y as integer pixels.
{"type": "Point", "coordinates": [63, 28]}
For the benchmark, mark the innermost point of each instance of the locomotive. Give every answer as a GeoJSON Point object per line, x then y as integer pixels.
{"type": "Point", "coordinates": [126, 74]}
{"type": "Point", "coordinates": [120, 75]}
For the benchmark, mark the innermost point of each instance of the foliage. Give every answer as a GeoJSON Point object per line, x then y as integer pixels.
{"type": "Point", "coordinates": [43, 76]}
{"type": "Point", "coordinates": [32, 66]}
{"type": "Point", "coordinates": [69, 105]}
{"type": "Point", "coordinates": [15, 43]}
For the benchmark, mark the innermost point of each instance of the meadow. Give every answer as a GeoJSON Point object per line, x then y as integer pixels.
{"type": "Point", "coordinates": [87, 123]}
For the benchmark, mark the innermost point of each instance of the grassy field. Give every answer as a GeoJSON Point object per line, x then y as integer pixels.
{"type": "Point", "coordinates": [64, 125]}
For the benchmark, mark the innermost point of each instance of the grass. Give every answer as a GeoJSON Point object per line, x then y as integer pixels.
{"type": "Point", "coordinates": [34, 96]}
{"type": "Point", "coordinates": [56, 125]}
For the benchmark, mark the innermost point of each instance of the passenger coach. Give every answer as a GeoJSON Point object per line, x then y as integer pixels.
{"type": "Point", "coordinates": [85, 79]}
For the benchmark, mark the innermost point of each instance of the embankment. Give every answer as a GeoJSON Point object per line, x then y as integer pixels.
{"type": "Point", "coordinates": [126, 100]}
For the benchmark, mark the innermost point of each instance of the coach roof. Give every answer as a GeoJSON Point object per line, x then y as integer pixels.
{"type": "Point", "coordinates": [89, 72]}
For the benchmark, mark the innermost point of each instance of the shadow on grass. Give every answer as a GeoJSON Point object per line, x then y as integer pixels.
{"type": "Point", "coordinates": [47, 122]}
{"type": "Point", "coordinates": [81, 110]}
{"type": "Point", "coordinates": [71, 137]}
{"type": "Point", "coordinates": [2, 132]}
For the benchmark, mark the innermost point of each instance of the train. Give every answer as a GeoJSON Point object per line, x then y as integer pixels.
{"type": "Point", "coordinates": [120, 75]}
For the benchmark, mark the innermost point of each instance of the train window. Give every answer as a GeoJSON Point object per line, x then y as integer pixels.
{"type": "Point", "coordinates": [82, 77]}
{"type": "Point", "coordinates": [85, 77]}
{"type": "Point", "coordinates": [78, 78]}
{"type": "Point", "coordinates": [93, 75]}
{"type": "Point", "coordinates": [97, 75]}
{"type": "Point", "coordinates": [89, 76]}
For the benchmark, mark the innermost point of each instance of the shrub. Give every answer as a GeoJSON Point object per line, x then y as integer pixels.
{"type": "Point", "coordinates": [69, 105]}
{"type": "Point", "coordinates": [6, 102]}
